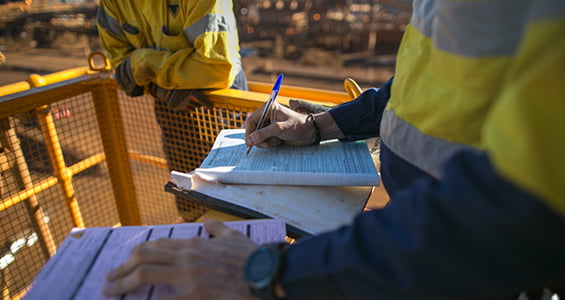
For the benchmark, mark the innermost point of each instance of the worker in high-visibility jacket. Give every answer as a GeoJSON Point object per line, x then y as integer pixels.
{"type": "Point", "coordinates": [171, 49]}
{"type": "Point", "coordinates": [472, 155]}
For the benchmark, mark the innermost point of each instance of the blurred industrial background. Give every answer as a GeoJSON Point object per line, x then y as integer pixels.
{"type": "Point", "coordinates": [314, 42]}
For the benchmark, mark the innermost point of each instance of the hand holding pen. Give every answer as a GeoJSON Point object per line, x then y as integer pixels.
{"type": "Point", "coordinates": [278, 125]}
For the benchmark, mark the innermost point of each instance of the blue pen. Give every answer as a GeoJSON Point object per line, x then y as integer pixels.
{"type": "Point", "coordinates": [270, 102]}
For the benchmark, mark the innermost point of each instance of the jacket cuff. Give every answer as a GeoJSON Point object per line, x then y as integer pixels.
{"type": "Point", "coordinates": [306, 274]}
{"type": "Point", "coordinates": [353, 117]}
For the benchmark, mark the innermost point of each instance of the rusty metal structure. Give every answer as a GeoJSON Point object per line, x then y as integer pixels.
{"type": "Point", "coordinates": [43, 20]}
{"type": "Point", "coordinates": [287, 25]}
{"type": "Point", "coordinates": [344, 25]}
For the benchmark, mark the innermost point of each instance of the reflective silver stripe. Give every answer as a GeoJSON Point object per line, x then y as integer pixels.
{"type": "Point", "coordinates": [547, 9]}
{"type": "Point", "coordinates": [472, 28]}
{"type": "Point", "coordinates": [237, 66]}
{"type": "Point", "coordinates": [480, 29]}
{"type": "Point", "coordinates": [423, 16]}
{"type": "Point", "coordinates": [109, 23]}
{"type": "Point", "coordinates": [425, 152]}
{"type": "Point", "coordinates": [210, 23]}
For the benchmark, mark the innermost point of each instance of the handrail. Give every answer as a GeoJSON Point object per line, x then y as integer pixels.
{"type": "Point", "coordinates": [295, 92]}
{"type": "Point", "coordinates": [36, 80]}
{"type": "Point", "coordinates": [93, 85]}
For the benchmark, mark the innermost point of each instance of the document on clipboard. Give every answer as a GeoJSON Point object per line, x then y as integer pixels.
{"type": "Point", "coordinates": [331, 163]}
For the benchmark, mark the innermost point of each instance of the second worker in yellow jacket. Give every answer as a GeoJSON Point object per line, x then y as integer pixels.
{"type": "Point", "coordinates": [171, 49]}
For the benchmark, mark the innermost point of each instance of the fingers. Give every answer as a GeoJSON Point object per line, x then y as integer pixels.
{"type": "Point", "coordinates": [142, 275]}
{"type": "Point", "coordinates": [200, 99]}
{"type": "Point", "coordinates": [284, 126]}
{"type": "Point", "coordinates": [253, 119]}
{"type": "Point", "coordinates": [182, 263]}
{"type": "Point", "coordinates": [186, 99]}
{"type": "Point", "coordinates": [264, 137]}
{"type": "Point", "coordinates": [150, 263]}
{"type": "Point", "coordinates": [219, 229]}
{"type": "Point", "coordinates": [158, 252]}
{"type": "Point", "coordinates": [258, 137]}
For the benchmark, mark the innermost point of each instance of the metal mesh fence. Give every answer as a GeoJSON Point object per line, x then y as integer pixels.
{"type": "Point", "coordinates": [80, 153]}
{"type": "Point", "coordinates": [55, 175]}
{"type": "Point", "coordinates": [160, 140]}
{"type": "Point", "coordinates": [36, 224]}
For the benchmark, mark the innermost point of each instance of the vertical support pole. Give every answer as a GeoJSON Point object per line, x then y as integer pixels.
{"type": "Point", "coordinates": [10, 141]}
{"type": "Point", "coordinates": [60, 170]}
{"type": "Point", "coordinates": [114, 142]}
{"type": "Point", "coordinates": [5, 291]}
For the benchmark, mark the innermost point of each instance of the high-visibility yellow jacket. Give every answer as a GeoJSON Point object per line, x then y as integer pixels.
{"type": "Point", "coordinates": [176, 44]}
{"type": "Point", "coordinates": [468, 78]}
{"type": "Point", "coordinates": [472, 146]}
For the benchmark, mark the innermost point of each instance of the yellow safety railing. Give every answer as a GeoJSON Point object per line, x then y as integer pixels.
{"type": "Point", "coordinates": [75, 151]}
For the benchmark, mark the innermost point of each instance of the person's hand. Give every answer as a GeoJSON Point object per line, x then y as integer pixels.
{"type": "Point", "coordinates": [307, 107]}
{"type": "Point", "coordinates": [196, 268]}
{"type": "Point", "coordinates": [124, 78]}
{"type": "Point", "coordinates": [180, 99]}
{"type": "Point", "coordinates": [187, 99]}
{"type": "Point", "coordinates": [282, 125]}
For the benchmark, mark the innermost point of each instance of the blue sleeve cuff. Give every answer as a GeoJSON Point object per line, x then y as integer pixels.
{"type": "Point", "coordinates": [361, 118]}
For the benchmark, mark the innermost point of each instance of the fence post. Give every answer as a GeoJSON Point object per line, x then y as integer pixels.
{"type": "Point", "coordinates": [114, 142]}
{"type": "Point", "coordinates": [60, 170]}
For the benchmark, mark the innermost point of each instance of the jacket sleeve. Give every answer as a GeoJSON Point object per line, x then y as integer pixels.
{"type": "Point", "coordinates": [492, 227]}
{"type": "Point", "coordinates": [361, 118]}
{"type": "Point", "coordinates": [437, 240]}
{"type": "Point", "coordinates": [204, 55]}
{"type": "Point", "coordinates": [111, 34]}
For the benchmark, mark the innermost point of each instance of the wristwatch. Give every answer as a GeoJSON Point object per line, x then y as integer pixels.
{"type": "Point", "coordinates": [264, 268]}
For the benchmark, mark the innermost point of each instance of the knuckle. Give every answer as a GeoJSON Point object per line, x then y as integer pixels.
{"type": "Point", "coordinates": [189, 255]}
{"type": "Point", "coordinates": [231, 232]}
{"type": "Point", "coordinates": [142, 274]}
{"type": "Point", "coordinates": [137, 250]}
{"type": "Point", "coordinates": [141, 253]}
{"type": "Point", "coordinates": [161, 242]}
{"type": "Point", "coordinates": [188, 271]}
{"type": "Point", "coordinates": [193, 242]}
{"type": "Point", "coordinates": [280, 126]}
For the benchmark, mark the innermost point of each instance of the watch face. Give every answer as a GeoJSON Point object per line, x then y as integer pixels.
{"type": "Point", "coordinates": [261, 267]}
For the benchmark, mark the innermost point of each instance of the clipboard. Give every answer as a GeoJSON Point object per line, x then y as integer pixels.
{"type": "Point", "coordinates": [306, 210]}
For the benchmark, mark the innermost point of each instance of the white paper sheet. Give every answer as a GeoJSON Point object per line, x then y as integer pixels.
{"type": "Point", "coordinates": [332, 163]}
{"type": "Point", "coordinates": [78, 269]}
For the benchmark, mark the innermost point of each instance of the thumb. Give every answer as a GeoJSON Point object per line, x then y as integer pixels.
{"type": "Point", "coordinates": [218, 229]}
